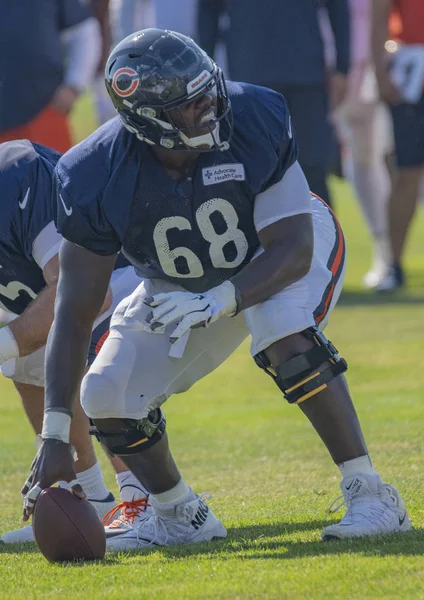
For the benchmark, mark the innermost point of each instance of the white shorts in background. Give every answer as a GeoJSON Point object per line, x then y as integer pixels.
{"type": "Point", "coordinates": [30, 369]}
{"type": "Point", "coordinates": [134, 373]}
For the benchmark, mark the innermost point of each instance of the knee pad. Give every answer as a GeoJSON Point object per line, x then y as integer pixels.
{"type": "Point", "coordinates": [301, 377]}
{"type": "Point", "coordinates": [135, 436]}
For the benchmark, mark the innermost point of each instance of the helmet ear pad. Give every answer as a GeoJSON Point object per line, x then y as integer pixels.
{"type": "Point", "coordinates": [153, 72]}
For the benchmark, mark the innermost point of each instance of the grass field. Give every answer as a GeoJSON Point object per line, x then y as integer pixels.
{"type": "Point", "coordinates": [272, 481]}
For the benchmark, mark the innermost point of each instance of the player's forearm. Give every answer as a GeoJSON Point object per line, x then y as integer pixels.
{"type": "Point", "coordinates": [81, 292]}
{"type": "Point", "coordinates": [380, 33]}
{"type": "Point", "coordinates": [274, 269]}
{"type": "Point", "coordinates": [66, 353]}
{"type": "Point", "coordinates": [31, 329]}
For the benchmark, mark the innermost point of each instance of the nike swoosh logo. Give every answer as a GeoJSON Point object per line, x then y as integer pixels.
{"type": "Point", "coordinates": [114, 534]}
{"type": "Point", "coordinates": [350, 485]}
{"type": "Point", "coordinates": [68, 211]}
{"type": "Point", "coordinates": [24, 202]}
{"type": "Point", "coordinates": [402, 520]}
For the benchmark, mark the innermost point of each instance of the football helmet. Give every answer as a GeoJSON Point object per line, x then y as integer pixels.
{"type": "Point", "coordinates": [153, 73]}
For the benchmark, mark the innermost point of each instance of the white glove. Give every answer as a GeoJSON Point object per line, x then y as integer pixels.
{"type": "Point", "coordinates": [8, 346]}
{"type": "Point", "coordinates": [191, 310]}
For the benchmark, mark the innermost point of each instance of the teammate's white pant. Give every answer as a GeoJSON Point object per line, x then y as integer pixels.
{"type": "Point", "coordinates": [366, 130]}
{"type": "Point", "coordinates": [133, 372]}
{"type": "Point", "coordinates": [30, 369]}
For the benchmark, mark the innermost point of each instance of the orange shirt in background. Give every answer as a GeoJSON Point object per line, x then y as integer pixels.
{"type": "Point", "coordinates": [407, 21]}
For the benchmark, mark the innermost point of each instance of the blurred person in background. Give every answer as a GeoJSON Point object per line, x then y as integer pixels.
{"type": "Point", "coordinates": [103, 109]}
{"type": "Point", "coordinates": [213, 23]}
{"type": "Point", "coordinates": [178, 16]}
{"type": "Point", "coordinates": [131, 15]}
{"type": "Point", "coordinates": [401, 87]}
{"type": "Point", "coordinates": [364, 128]}
{"type": "Point", "coordinates": [282, 48]}
{"type": "Point", "coordinates": [52, 55]}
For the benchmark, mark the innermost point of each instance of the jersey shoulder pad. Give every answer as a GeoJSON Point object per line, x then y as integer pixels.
{"type": "Point", "coordinates": [262, 123]}
{"type": "Point", "coordinates": [90, 180]}
{"type": "Point", "coordinates": [84, 170]}
{"type": "Point", "coordinates": [259, 110]}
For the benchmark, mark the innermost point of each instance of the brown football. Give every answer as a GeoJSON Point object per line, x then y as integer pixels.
{"type": "Point", "coordinates": [67, 528]}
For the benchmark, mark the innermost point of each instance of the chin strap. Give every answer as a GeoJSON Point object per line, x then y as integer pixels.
{"type": "Point", "coordinates": [210, 139]}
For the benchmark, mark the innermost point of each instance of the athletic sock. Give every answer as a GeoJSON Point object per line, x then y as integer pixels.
{"type": "Point", "coordinates": [130, 488]}
{"type": "Point", "coordinates": [175, 495]}
{"type": "Point", "coordinates": [92, 482]}
{"type": "Point", "coordinates": [362, 464]}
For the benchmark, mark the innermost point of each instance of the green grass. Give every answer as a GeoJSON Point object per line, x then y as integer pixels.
{"type": "Point", "coordinates": [272, 481]}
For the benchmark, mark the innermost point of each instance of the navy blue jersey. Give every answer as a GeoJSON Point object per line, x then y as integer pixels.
{"type": "Point", "coordinates": [112, 194]}
{"type": "Point", "coordinates": [26, 171]}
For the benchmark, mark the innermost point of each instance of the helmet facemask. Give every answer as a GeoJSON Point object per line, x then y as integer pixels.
{"type": "Point", "coordinates": [156, 124]}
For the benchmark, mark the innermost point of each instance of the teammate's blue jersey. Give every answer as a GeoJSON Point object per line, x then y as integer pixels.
{"type": "Point", "coordinates": [26, 172]}
{"type": "Point", "coordinates": [112, 193]}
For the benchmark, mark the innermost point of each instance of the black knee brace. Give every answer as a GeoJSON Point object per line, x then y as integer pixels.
{"type": "Point", "coordinates": [136, 437]}
{"type": "Point", "coordinates": [300, 378]}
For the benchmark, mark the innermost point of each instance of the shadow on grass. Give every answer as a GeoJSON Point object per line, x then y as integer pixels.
{"type": "Point", "coordinates": [264, 542]}
{"type": "Point", "coordinates": [31, 548]}
{"type": "Point", "coordinates": [18, 548]}
{"type": "Point", "coordinates": [358, 298]}
{"type": "Point", "coordinates": [259, 542]}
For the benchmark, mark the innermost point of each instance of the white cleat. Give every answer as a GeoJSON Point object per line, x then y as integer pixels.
{"type": "Point", "coordinates": [381, 264]}
{"type": "Point", "coordinates": [131, 515]}
{"type": "Point", "coordinates": [24, 535]}
{"type": "Point", "coordinates": [394, 280]}
{"type": "Point", "coordinates": [388, 284]}
{"type": "Point", "coordinates": [191, 521]}
{"type": "Point", "coordinates": [373, 508]}
{"type": "Point", "coordinates": [374, 278]}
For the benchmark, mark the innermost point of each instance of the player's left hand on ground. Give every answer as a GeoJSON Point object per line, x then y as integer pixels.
{"type": "Point", "coordinates": [54, 462]}
{"type": "Point", "coordinates": [190, 310]}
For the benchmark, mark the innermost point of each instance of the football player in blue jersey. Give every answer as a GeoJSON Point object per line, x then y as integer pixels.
{"type": "Point", "coordinates": [29, 269]}
{"type": "Point", "coordinates": [197, 183]}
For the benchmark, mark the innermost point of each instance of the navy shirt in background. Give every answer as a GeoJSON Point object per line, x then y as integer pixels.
{"type": "Point", "coordinates": [31, 54]}
{"type": "Point", "coordinates": [278, 42]}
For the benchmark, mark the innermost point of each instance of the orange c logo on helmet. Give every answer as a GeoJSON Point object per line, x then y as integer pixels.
{"type": "Point", "coordinates": [125, 81]}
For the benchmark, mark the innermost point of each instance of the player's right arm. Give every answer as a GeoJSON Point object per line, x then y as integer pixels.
{"type": "Point", "coordinates": [83, 282]}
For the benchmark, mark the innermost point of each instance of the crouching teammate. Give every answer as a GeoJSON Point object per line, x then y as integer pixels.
{"type": "Point", "coordinates": [198, 183]}
{"type": "Point", "coordinates": [29, 270]}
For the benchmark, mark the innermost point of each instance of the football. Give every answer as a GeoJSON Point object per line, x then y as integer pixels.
{"type": "Point", "coordinates": [67, 528]}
